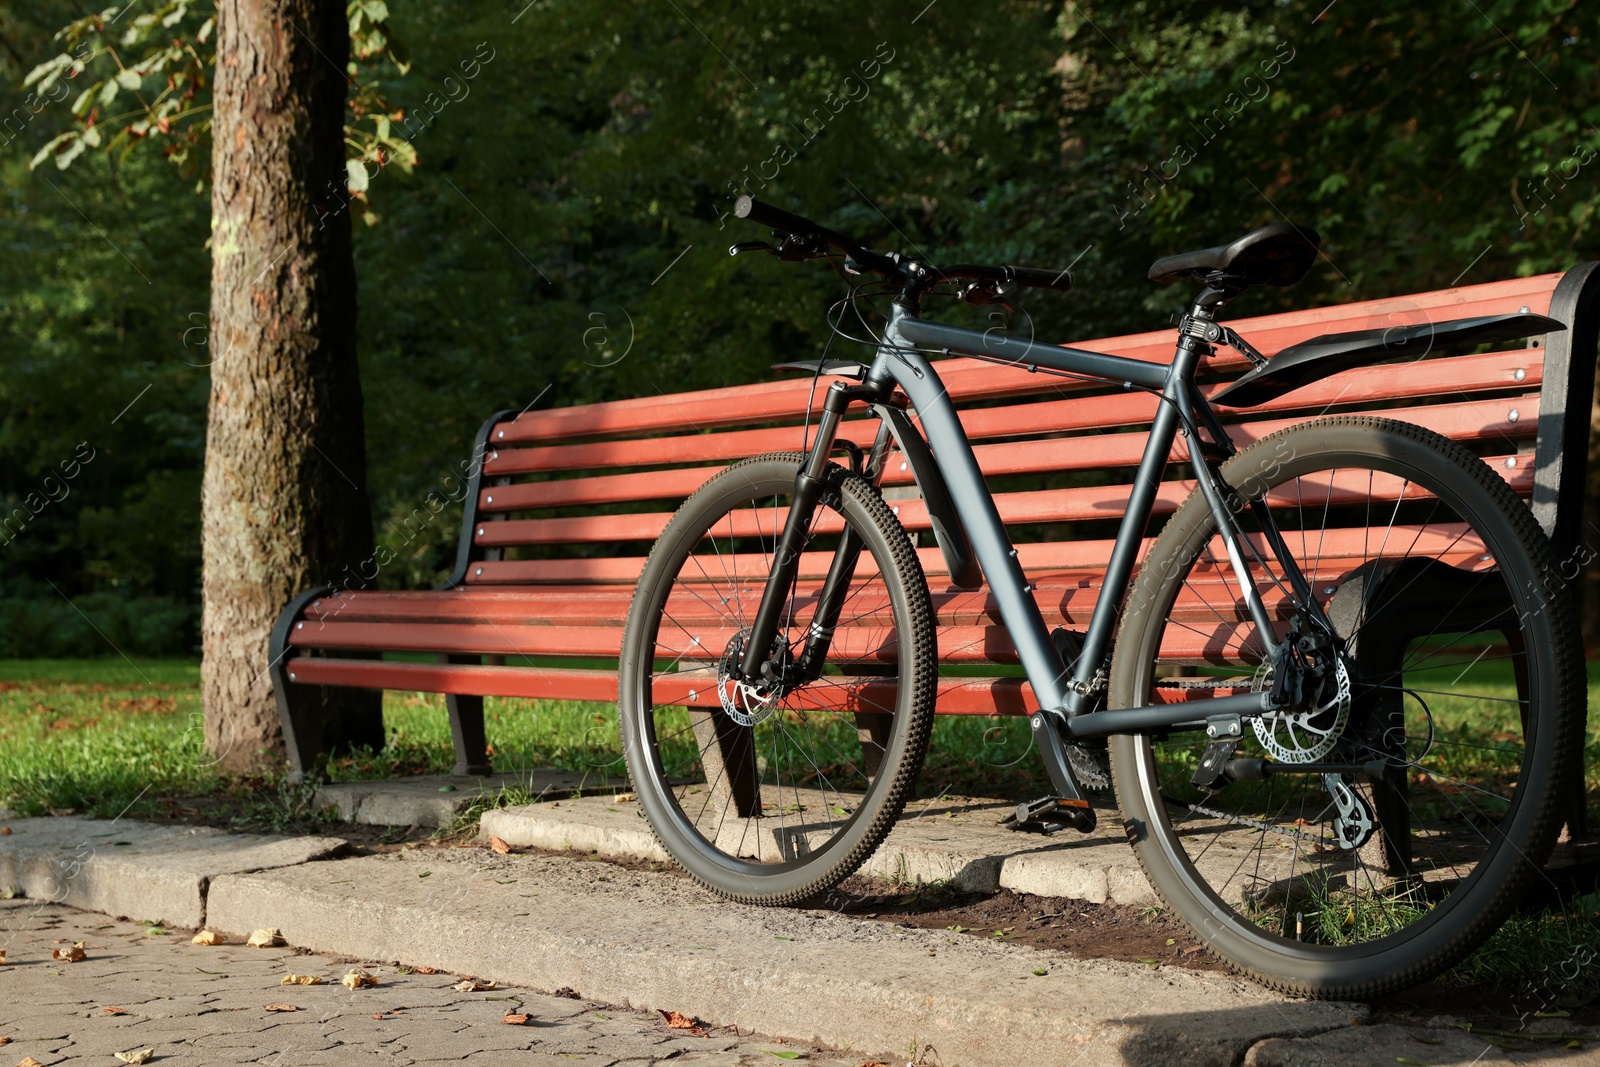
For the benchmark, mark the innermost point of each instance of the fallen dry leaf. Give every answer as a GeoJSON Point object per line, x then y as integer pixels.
{"type": "Point", "coordinates": [426, 970]}
{"type": "Point", "coordinates": [2, 957]}
{"type": "Point", "coordinates": [678, 1021]}
{"type": "Point", "coordinates": [301, 979]}
{"type": "Point", "coordinates": [281, 1007]}
{"type": "Point", "coordinates": [141, 1055]}
{"type": "Point", "coordinates": [69, 955]}
{"type": "Point", "coordinates": [472, 985]}
{"type": "Point", "coordinates": [624, 798]}
{"type": "Point", "coordinates": [499, 845]}
{"type": "Point", "coordinates": [265, 938]}
{"type": "Point", "coordinates": [113, 1011]}
{"type": "Point", "coordinates": [208, 937]}
{"type": "Point", "coordinates": [377, 1015]}
{"type": "Point", "coordinates": [5, 1041]}
{"type": "Point", "coordinates": [5, 830]}
{"type": "Point", "coordinates": [515, 1018]}
{"type": "Point", "coordinates": [874, 1063]}
{"type": "Point", "coordinates": [30, 1062]}
{"type": "Point", "coordinates": [356, 978]}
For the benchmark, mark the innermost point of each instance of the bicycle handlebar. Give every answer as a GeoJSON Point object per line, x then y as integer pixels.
{"type": "Point", "coordinates": [894, 266]}
{"type": "Point", "coordinates": [748, 207]}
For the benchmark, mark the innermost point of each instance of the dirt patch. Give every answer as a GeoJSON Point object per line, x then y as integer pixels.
{"type": "Point", "coordinates": [1072, 927]}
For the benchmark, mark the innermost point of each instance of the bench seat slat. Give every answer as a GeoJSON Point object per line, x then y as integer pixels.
{"type": "Point", "coordinates": [966, 378]}
{"type": "Point", "coordinates": [1467, 421]}
{"type": "Point", "coordinates": [956, 696]}
{"type": "Point", "coordinates": [1404, 381]}
{"type": "Point", "coordinates": [1338, 552]}
{"type": "Point", "coordinates": [1036, 506]}
{"type": "Point", "coordinates": [969, 624]}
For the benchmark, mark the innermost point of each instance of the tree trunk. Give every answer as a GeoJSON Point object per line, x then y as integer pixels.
{"type": "Point", "coordinates": [284, 501]}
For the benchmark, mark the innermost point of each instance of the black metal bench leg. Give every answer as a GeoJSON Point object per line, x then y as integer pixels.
{"type": "Point", "coordinates": [872, 731]}
{"type": "Point", "coordinates": [317, 720]}
{"type": "Point", "coordinates": [298, 709]}
{"type": "Point", "coordinates": [466, 728]}
{"type": "Point", "coordinates": [466, 733]}
{"type": "Point", "coordinates": [728, 756]}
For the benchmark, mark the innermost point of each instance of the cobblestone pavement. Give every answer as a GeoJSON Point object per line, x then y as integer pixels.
{"type": "Point", "coordinates": [140, 987]}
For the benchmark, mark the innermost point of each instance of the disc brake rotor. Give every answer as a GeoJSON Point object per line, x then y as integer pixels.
{"type": "Point", "coordinates": [746, 704]}
{"type": "Point", "coordinates": [1307, 735]}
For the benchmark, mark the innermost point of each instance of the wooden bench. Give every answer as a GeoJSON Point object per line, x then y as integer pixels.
{"type": "Point", "coordinates": [567, 502]}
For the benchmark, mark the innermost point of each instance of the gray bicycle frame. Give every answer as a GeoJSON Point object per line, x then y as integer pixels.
{"type": "Point", "coordinates": [899, 361]}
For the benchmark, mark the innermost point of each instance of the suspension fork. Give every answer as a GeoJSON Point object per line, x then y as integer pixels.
{"type": "Point", "coordinates": [836, 587]}
{"type": "Point", "coordinates": [809, 484]}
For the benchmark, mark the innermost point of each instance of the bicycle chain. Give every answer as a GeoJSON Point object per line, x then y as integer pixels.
{"type": "Point", "coordinates": [1256, 824]}
{"type": "Point", "coordinates": [1242, 820]}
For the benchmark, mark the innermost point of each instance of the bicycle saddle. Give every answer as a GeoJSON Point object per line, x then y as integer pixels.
{"type": "Point", "coordinates": [1279, 254]}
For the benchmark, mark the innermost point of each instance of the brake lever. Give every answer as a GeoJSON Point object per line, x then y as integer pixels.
{"type": "Point", "coordinates": [798, 249]}
{"type": "Point", "coordinates": [980, 295]}
{"type": "Point", "coordinates": [751, 246]}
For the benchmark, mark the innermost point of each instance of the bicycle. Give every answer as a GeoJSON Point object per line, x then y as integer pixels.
{"type": "Point", "coordinates": [1305, 777]}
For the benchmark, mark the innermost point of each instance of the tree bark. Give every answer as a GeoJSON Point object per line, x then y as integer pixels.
{"type": "Point", "coordinates": [283, 501]}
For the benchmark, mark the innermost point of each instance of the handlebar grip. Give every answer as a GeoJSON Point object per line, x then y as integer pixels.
{"type": "Point", "coordinates": [748, 207]}
{"type": "Point", "coordinates": [1034, 278]}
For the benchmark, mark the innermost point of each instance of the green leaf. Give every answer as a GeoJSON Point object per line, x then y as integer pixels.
{"type": "Point", "coordinates": [50, 66]}
{"type": "Point", "coordinates": [128, 79]}
{"type": "Point", "coordinates": [1039, 972]}
{"type": "Point", "coordinates": [400, 54]}
{"type": "Point", "coordinates": [782, 1055]}
{"type": "Point", "coordinates": [91, 137]}
{"type": "Point", "coordinates": [50, 147]}
{"type": "Point", "coordinates": [65, 157]}
{"type": "Point", "coordinates": [204, 33]}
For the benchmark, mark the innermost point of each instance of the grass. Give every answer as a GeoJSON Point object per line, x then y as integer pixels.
{"type": "Point", "coordinates": [103, 738]}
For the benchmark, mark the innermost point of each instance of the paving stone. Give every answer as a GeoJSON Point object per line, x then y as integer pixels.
{"type": "Point", "coordinates": [207, 1006]}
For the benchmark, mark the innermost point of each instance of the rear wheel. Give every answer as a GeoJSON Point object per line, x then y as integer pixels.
{"type": "Point", "coordinates": [1453, 657]}
{"type": "Point", "coordinates": [771, 796]}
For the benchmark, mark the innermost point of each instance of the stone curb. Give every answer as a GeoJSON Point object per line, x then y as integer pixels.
{"type": "Point", "coordinates": [956, 840]}
{"type": "Point", "coordinates": [139, 870]}
{"type": "Point", "coordinates": [652, 941]}
{"type": "Point", "coordinates": [438, 799]}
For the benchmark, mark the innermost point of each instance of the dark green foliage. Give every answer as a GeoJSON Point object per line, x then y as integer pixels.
{"type": "Point", "coordinates": [565, 161]}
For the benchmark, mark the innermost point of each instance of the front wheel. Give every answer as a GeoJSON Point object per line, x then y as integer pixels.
{"type": "Point", "coordinates": [1439, 650]}
{"type": "Point", "coordinates": [772, 794]}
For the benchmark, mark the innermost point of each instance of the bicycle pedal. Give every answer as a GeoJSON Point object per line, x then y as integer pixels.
{"type": "Point", "coordinates": [1049, 814]}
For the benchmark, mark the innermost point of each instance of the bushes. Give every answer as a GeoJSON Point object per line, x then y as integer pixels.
{"type": "Point", "coordinates": [144, 626]}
